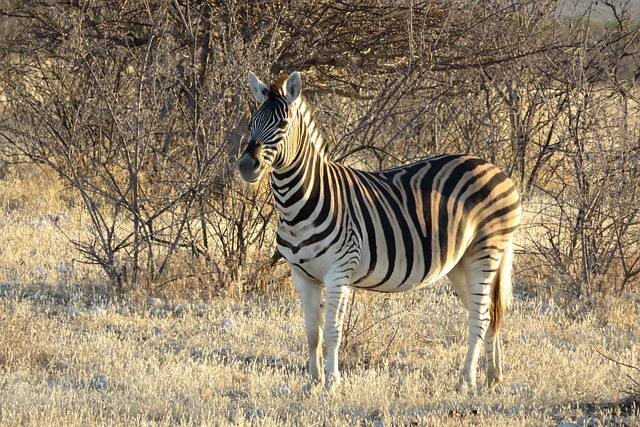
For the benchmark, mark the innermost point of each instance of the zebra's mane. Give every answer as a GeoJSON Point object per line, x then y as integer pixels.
{"type": "Point", "coordinates": [278, 84]}
{"type": "Point", "coordinates": [278, 88]}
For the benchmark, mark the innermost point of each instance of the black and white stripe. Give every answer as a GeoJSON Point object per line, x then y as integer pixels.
{"type": "Point", "coordinates": [386, 231]}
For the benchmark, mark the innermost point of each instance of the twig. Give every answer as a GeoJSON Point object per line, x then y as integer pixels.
{"type": "Point", "coordinates": [617, 362]}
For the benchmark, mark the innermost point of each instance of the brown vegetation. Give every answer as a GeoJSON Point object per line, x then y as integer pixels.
{"type": "Point", "coordinates": [135, 111]}
{"type": "Point", "coordinates": [141, 108]}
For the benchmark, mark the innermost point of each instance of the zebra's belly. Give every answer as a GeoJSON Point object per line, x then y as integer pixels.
{"type": "Point", "coordinates": [331, 264]}
{"type": "Point", "coordinates": [312, 265]}
{"type": "Point", "coordinates": [343, 256]}
{"type": "Point", "coordinates": [396, 281]}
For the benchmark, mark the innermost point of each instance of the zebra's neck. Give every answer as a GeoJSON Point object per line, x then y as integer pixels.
{"type": "Point", "coordinates": [297, 186]}
{"type": "Point", "coordinates": [310, 132]}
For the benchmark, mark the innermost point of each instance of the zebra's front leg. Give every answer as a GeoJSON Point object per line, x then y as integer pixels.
{"type": "Point", "coordinates": [337, 295]}
{"type": "Point", "coordinates": [310, 294]}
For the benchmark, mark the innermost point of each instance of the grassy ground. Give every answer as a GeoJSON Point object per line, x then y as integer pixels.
{"type": "Point", "coordinates": [73, 354]}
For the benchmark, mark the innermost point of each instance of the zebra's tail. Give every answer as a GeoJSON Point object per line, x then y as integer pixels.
{"type": "Point", "coordinates": [501, 294]}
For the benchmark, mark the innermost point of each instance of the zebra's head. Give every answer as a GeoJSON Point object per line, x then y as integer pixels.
{"type": "Point", "coordinates": [270, 125]}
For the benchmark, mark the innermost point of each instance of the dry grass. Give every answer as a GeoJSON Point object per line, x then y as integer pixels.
{"type": "Point", "coordinates": [73, 354]}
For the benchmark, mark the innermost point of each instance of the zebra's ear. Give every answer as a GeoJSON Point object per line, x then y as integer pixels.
{"type": "Point", "coordinates": [293, 87]}
{"type": "Point", "coordinates": [259, 90]}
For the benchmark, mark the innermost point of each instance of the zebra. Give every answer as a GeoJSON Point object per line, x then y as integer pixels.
{"type": "Point", "coordinates": [386, 231]}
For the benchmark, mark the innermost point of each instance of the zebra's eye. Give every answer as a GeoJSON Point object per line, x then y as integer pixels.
{"type": "Point", "coordinates": [283, 124]}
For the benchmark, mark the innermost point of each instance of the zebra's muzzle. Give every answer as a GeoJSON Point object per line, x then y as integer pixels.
{"type": "Point", "coordinates": [249, 168]}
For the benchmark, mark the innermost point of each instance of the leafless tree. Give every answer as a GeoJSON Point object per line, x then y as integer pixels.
{"type": "Point", "coordinates": [142, 108]}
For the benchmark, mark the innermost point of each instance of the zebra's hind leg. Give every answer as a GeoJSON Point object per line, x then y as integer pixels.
{"type": "Point", "coordinates": [480, 274]}
{"type": "Point", "coordinates": [458, 276]}
{"type": "Point", "coordinates": [478, 323]}
{"type": "Point", "coordinates": [494, 362]}
{"type": "Point", "coordinates": [310, 294]}
{"type": "Point", "coordinates": [501, 296]}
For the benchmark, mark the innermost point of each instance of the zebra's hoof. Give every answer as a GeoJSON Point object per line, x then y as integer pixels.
{"type": "Point", "coordinates": [465, 386]}
{"type": "Point", "coordinates": [311, 386]}
{"type": "Point", "coordinates": [332, 383]}
{"type": "Point", "coordinates": [494, 382]}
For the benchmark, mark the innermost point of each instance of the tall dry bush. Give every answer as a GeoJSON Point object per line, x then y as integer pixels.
{"type": "Point", "coordinates": [588, 237]}
{"type": "Point", "coordinates": [120, 99]}
{"type": "Point", "coordinates": [142, 107]}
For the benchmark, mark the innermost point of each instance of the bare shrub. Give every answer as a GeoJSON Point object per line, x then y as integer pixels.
{"type": "Point", "coordinates": [591, 235]}
{"type": "Point", "coordinates": [115, 98]}
{"type": "Point", "coordinates": [141, 107]}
